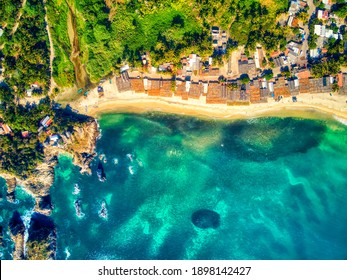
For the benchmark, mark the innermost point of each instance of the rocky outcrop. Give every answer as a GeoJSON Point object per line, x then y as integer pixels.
{"type": "Point", "coordinates": [1, 236]}
{"type": "Point", "coordinates": [80, 143]}
{"type": "Point", "coordinates": [17, 230]}
{"type": "Point", "coordinates": [41, 242]}
{"type": "Point", "coordinates": [11, 186]}
{"type": "Point", "coordinates": [40, 181]}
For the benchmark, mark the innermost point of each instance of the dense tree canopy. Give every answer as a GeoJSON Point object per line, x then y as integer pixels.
{"type": "Point", "coordinates": [26, 55]}
{"type": "Point", "coordinates": [111, 32]}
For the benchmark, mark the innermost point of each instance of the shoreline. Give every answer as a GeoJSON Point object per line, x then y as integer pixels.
{"type": "Point", "coordinates": [307, 106]}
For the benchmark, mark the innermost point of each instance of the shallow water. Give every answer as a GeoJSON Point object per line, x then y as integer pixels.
{"type": "Point", "coordinates": [277, 184]}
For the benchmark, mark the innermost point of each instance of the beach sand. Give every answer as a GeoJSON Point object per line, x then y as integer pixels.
{"type": "Point", "coordinates": [307, 106]}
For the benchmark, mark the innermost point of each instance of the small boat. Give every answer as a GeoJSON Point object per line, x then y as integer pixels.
{"type": "Point", "coordinates": [101, 173]}
{"type": "Point", "coordinates": [115, 161]}
{"type": "Point", "coordinates": [103, 211]}
{"type": "Point", "coordinates": [76, 189]}
{"type": "Point", "coordinates": [78, 208]}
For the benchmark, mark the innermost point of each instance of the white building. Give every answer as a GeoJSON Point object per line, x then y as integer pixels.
{"type": "Point", "coordinates": [314, 53]}
{"type": "Point", "coordinates": [322, 31]}
{"type": "Point", "coordinates": [124, 68]}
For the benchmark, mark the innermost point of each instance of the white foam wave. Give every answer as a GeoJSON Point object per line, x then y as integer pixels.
{"type": "Point", "coordinates": [26, 217]}
{"type": "Point", "coordinates": [67, 252]}
{"type": "Point", "coordinates": [341, 120]}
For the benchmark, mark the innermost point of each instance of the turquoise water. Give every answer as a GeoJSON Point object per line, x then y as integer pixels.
{"type": "Point", "coordinates": [278, 184]}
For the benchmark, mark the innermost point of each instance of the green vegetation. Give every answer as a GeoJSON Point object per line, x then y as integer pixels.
{"type": "Point", "coordinates": [324, 68]}
{"type": "Point", "coordinates": [340, 9]}
{"type": "Point", "coordinates": [9, 10]}
{"type": "Point", "coordinates": [268, 74]}
{"type": "Point", "coordinates": [26, 56]}
{"type": "Point", "coordinates": [244, 78]}
{"type": "Point", "coordinates": [111, 32]}
{"type": "Point", "coordinates": [63, 71]}
{"type": "Point", "coordinates": [335, 87]}
{"type": "Point", "coordinates": [38, 250]}
{"type": "Point", "coordinates": [20, 156]}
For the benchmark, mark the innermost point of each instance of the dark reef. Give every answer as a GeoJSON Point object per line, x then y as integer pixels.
{"type": "Point", "coordinates": [41, 227]}
{"type": "Point", "coordinates": [16, 224]}
{"type": "Point", "coordinates": [205, 218]}
{"type": "Point", "coordinates": [45, 203]}
{"type": "Point", "coordinates": [268, 139]}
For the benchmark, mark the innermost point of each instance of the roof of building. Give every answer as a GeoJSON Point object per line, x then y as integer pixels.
{"type": "Point", "coordinates": [303, 74]}
{"type": "Point", "coordinates": [25, 134]}
{"type": "Point", "coordinates": [6, 128]}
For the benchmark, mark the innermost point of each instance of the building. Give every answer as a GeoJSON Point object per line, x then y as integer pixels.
{"type": "Point", "coordinates": [321, 85]}
{"type": "Point", "coordinates": [123, 82]}
{"type": "Point", "coordinates": [124, 68]}
{"type": "Point", "coordinates": [246, 66]}
{"type": "Point", "coordinates": [294, 7]}
{"type": "Point", "coordinates": [46, 121]}
{"type": "Point", "coordinates": [281, 88]}
{"type": "Point", "coordinates": [322, 31]}
{"type": "Point", "coordinates": [215, 31]}
{"type": "Point", "coordinates": [165, 67]}
{"type": "Point", "coordinates": [293, 85]}
{"type": "Point", "coordinates": [54, 137]}
{"type": "Point", "coordinates": [25, 134]}
{"type": "Point", "coordinates": [5, 129]}
{"type": "Point", "coordinates": [195, 90]}
{"type": "Point", "coordinates": [323, 15]}
{"type": "Point", "coordinates": [137, 85]}
{"type": "Point", "coordinates": [215, 94]}
{"type": "Point", "coordinates": [258, 58]}
{"type": "Point", "coordinates": [314, 53]}
{"type": "Point", "coordinates": [327, 3]}
{"type": "Point", "coordinates": [254, 91]}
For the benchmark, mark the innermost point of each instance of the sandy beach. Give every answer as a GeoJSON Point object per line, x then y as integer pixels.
{"type": "Point", "coordinates": [307, 106]}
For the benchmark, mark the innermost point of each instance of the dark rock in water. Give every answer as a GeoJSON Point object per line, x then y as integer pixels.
{"type": "Point", "coordinates": [10, 196]}
{"type": "Point", "coordinates": [11, 186]}
{"type": "Point", "coordinates": [46, 203]}
{"type": "Point", "coordinates": [41, 244]}
{"type": "Point", "coordinates": [16, 224]}
{"type": "Point", "coordinates": [41, 227]}
{"type": "Point", "coordinates": [204, 218]}
{"type": "Point", "coordinates": [100, 172]}
{"type": "Point", "coordinates": [1, 236]}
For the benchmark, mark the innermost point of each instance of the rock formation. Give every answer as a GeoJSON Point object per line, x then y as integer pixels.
{"type": "Point", "coordinates": [204, 218]}
{"type": "Point", "coordinates": [80, 144]}
{"type": "Point", "coordinates": [17, 230]}
{"type": "Point", "coordinates": [41, 242]}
